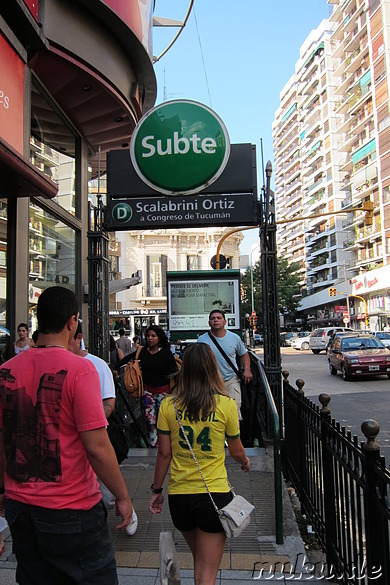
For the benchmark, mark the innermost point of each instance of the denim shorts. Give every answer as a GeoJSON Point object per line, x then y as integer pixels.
{"type": "Point", "coordinates": [190, 511]}
{"type": "Point", "coordinates": [61, 547]}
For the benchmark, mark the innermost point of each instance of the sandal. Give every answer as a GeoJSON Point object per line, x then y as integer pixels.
{"type": "Point", "coordinates": [2, 549]}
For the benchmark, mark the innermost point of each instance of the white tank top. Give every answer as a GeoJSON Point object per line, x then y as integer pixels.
{"type": "Point", "coordinates": [20, 349]}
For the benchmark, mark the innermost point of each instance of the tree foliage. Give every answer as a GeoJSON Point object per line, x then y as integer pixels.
{"type": "Point", "coordinates": [287, 282]}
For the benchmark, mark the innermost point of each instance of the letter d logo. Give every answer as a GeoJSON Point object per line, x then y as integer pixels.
{"type": "Point", "coordinates": [122, 213]}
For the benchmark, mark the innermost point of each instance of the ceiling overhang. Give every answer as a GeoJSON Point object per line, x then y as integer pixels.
{"type": "Point", "coordinates": [100, 114]}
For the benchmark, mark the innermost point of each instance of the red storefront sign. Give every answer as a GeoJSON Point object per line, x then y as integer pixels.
{"type": "Point", "coordinates": [137, 14]}
{"type": "Point", "coordinates": [33, 6]}
{"type": "Point", "coordinates": [11, 95]}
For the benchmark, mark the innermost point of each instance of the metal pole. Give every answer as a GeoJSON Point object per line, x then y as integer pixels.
{"type": "Point", "coordinates": [346, 288]}
{"type": "Point", "coordinates": [251, 327]}
{"type": "Point", "coordinates": [252, 295]}
{"type": "Point", "coordinates": [272, 359]}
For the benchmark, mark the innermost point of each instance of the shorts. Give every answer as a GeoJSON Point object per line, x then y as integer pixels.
{"type": "Point", "coordinates": [233, 389]}
{"type": "Point", "coordinates": [190, 511]}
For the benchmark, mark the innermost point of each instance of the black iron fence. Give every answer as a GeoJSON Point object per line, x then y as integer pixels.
{"type": "Point", "coordinates": [343, 487]}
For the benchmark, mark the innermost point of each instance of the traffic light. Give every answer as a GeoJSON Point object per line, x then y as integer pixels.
{"type": "Point", "coordinates": [255, 321]}
{"type": "Point", "coordinates": [250, 321]}
{"type": "Point", "coordinates": [332, 291]}
{"type": "Point", "coordinates": [368, 207]}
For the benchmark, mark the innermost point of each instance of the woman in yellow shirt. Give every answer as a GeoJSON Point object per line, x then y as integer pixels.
{"type": "Point", "coordinates": [208, 417]}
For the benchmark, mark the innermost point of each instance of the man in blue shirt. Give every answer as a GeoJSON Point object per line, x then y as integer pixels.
{"type": "Point", "coordinates": [232, 346]}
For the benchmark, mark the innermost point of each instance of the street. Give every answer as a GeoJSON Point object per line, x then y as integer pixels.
{"type": "Point", "coordinates": [351, 402]}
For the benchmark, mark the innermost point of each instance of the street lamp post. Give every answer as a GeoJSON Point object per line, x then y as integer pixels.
{"type": "Point", "coordinates": [270, 308]}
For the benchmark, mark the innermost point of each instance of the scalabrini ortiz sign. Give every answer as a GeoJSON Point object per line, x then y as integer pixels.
{"type": "Point", "coordinates": [181, 212]}
{"type": "Point", "coordinates": [180, 147]}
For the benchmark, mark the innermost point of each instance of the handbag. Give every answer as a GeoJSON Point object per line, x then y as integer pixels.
{"type": "Point", "coordinates": [132, 378]}
{"type": "Point", "coordinates": [235, 516]}
{"type": "Point", "coordinates": [169, 569]}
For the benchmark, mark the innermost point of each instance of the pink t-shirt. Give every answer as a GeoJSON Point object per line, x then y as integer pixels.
{"type": "Point", "coordinates": [47, 397]}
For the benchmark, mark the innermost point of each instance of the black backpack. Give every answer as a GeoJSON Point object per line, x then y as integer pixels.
{"type": "Point", "coordinates": [118, 437]}
{"type": "Point", "coordinates": [116, 429]}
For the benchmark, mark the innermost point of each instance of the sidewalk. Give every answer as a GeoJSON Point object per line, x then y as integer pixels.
{"type": "Point", "coordinates": [254, 556]}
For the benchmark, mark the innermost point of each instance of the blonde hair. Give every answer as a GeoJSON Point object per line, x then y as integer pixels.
{"type": "Point", "coordinates": [199, 381]}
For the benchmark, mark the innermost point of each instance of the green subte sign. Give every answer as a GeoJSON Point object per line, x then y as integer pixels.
{"type": "Point", "coordinates": [180, 147]}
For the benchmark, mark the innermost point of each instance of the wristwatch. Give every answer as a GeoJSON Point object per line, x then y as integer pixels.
{"type": "Point", "coordinates": [156, 490]}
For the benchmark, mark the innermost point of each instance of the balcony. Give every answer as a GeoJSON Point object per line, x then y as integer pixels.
{"type": "Point", "coordinates": [315, 185]}
{"type": "Point", "coordinates": [151, 292]}
{"type": "Point", "coordinates": [346, 224]}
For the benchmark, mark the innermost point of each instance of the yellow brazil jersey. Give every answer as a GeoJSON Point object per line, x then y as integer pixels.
{"type": "Point", "coordinates": [207, 439]}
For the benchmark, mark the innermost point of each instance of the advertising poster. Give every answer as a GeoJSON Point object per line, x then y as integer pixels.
{"type": "Point", "coordinates": [191, 301]}
{"type": "Point", "coordinates": [11, 95]}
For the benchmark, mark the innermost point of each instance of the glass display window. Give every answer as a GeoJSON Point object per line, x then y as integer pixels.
{"type": "Point", "coordinates": [4, 334]}
{"type": "Point", "coordinates": [53, 149]}
{"type": "Point", "coordinates": [52, 255]}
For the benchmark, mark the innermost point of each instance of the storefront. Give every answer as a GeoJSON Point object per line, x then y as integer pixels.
{"type": "Point", "coordinates": [75, 77]}
{"type": "Point", "coordinates": [374, 288]}
{"type": "Point", "coordinates": [136, 321]}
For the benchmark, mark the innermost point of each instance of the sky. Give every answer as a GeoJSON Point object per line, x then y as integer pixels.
{"type": "Point", "coordinates": [235, 57]}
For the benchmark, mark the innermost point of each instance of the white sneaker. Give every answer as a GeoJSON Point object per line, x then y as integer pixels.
{"type": "Point", "coordinates": [132, 527]}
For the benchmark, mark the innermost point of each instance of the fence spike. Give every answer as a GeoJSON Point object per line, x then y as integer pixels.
{"type": "Point", "coordinates": [324, 399]}
{"type": "Point", "coordinates": [370, 429]}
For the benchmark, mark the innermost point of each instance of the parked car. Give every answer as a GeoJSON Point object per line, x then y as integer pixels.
{"type": "Point", "coordinates": [383, 336]}
{"type": "Point", "coordinates": [284, 337]}
{"type": "Point", "coordinates": [301, 342]}
{"type": "Point", "coordinates": [339, 334]}
{"type": "Point", "coordinates": [358, 355]}
{"type": "Point", "coordinates": [320, 337]}
{"type": "Point", "coordinates": [258, 339]}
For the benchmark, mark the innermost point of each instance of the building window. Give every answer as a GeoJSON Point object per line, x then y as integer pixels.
{"type": "Point", "coordinates": [156, 276]}
{"type": "Point", "coordinates": [194, 262]}
{"type": "Point", "coordinates": [114, 267]}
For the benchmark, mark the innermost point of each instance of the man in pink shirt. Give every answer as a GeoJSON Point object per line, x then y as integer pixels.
{"type": "Point", "coordinates": [53, 443]}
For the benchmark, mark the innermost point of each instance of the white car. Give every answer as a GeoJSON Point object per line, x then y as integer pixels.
{"type": "Point", "coordinates": [384, 336]}
{"type": "Point", "coordinates": [300, 342]}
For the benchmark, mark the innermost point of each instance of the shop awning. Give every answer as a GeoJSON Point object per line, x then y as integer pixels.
{"type": "Point", "coordinates": [19, 177]}
{"type": "Point", "coordinates": [313, 53]}
{"type": "Point", "coordinates": [116, 286]}
{"type": "Point", "coordinates": [289, 112]}
{"type": "Point", "coordinates": [364, 151]}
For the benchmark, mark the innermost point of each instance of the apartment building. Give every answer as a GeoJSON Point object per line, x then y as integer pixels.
{"type": "Point", "coordinates": [306, 168]}
{"type": "Point", "coordinates": [360, 52]}
{"type": "Point", "coordinates": [341, 158]}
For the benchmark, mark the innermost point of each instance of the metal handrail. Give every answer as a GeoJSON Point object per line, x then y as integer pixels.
{"type": "Point", "coordinates": [277, 454]}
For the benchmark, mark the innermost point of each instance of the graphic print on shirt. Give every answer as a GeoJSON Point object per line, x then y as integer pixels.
{"type": "Point", "coordinates": [31, 431]}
